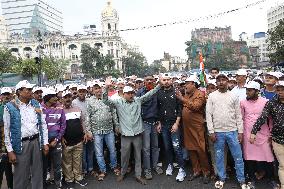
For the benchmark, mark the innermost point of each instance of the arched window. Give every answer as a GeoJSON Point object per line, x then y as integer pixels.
{"type": "Point", "coordinates": [109, 26]}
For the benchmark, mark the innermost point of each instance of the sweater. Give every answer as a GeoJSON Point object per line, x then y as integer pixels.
{"type": "Point", "coordinates": [223, 113]}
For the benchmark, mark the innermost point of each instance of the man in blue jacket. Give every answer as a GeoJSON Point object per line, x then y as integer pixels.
{"type": "Point", "coordinates": [25, 135]}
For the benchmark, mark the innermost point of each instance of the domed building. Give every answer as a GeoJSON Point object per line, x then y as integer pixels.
{"type": "Point", "coordinates": [68, 47]}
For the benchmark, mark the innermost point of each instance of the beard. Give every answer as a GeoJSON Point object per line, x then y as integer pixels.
{"type": "Point", "coordinates": [149, 87]}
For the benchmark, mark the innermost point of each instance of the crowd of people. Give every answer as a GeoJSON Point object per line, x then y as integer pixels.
{"type": "Point", "coordinates": [67, 132]}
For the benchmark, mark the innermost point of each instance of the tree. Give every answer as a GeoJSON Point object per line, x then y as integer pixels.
{"type": "Point", "coordinates": [96, 65]}
{"type": "Point", "coordinates": [134, 63]}
{"type": "Point", "coordinates": [53, 69]}
{"type": "Point", "coordinates": [90, 58]}
{"type": "Point", "coordinates": [6, 62]}
{"type": "Point", "coordinates": [276, 43]}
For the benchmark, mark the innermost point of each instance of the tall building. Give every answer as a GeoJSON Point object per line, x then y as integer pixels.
{"type": "Point", "coordinates": [275, 14]}
{"type": "Point", "coordinates": [259, 40]}
{"type": "Point", "coordinates": [28, 17]}
{"type": "Point", "coordinates": [68, 47]}
{"type": "Point", "coordinates": [3, 30]}
{"type": "Point", "coordinates": [214, 35]}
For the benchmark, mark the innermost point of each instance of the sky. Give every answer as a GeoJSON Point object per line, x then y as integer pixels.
{"type": "Point", "coordinates": [154, 42]}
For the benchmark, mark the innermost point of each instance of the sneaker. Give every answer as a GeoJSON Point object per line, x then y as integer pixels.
{"type": "Point", "coordinates": [181, 175]}
{"type": "Point", "coordinates": [82, 182]}
{"type": "Point", "coordinates": [160, 164]}
{"type": "Point", "coordinates": [251, 185]}
{"type": "Point", "coordinates": [244, 186]}
{"type": "Point", "coordinates": [219, 184]}
{"type": "Point", "coordinates": [274, 185]}
{"type": "Point", "coordinates": [159, 170]}
{"type": "Point", "coordinates": [148, 174]}
{"type": "Point", "coordinates": [175, 165]}
{"type": "Point", "coordinates": [169, 171]}
{"type": "Point", "coordinates": [69, 185]}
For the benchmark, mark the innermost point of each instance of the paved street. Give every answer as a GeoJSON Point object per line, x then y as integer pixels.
{"type": "Point", "coordinates": [158, 182]}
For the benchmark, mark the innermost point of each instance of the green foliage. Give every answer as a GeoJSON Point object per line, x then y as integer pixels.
{"type": "Point", "coordinates": [27, 68]}
{"type": "Point", "coordinates": [134, 64]}
{"type": "Point", "coordinates": [217, 54]}
{"type": "Point", "coordinates": [276, 43]}
{"type": "Point", "coordinates": [53, 69]}
{"type": "Point", "coordinates": [94, 64]}
{"type": "Point", "coordinates": [6, 62]}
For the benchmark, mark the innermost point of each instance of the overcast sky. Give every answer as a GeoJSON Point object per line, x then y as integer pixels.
{"type": "Point", "coordinates": [154, 42]}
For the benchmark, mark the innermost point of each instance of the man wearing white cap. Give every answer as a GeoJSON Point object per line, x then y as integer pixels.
{"type": "Point", "coordinates": [130, 126]}
{"type": "Point", "coordinates": [274, 109]}
{"type": "Point", "coordinates": [25, 135]}
{"type": "Point", "coordinates": [240, 90]}
{"type": "Point", "coordinates": [102, 118]}
{"type": "Point", "coordinates": [256, 153]}
{"type": "Point", "coordinates": [270, 79]}
{"type": "Point", "coordinates": [37, 93]}
{"type": "Point", "coordinates": [81, 103]}
{"type": "Point", "coordinates": [5, 166]}
{"type": "Point", "coordinates": [56, 124]}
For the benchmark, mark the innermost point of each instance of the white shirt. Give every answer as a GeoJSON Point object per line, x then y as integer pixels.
{"type": "Point", "coordinates": [28, 124]}
{"type": "Point", "coordinates": [240, 92]}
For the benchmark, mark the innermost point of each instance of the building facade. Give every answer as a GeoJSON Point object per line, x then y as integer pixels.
{"type": "Point", "coordinates": [217, 34]}
{"type": "Point", "coordinates": [3, 30]}
{"type": "Point", "coordinates": [60, 46]}
{"type": "Point", "coordinates": [259, 40]}
{"type": "Point", "coordinates": [28, 17]}
{"type": "Point", "coordinates": [275, 14]}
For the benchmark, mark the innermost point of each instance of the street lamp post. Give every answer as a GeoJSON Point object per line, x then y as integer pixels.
{"type": "Point", "coordinates": [38, 58]}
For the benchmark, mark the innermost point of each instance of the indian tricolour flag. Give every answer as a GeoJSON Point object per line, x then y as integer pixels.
{"type": "Point", "coordinates": [202, 72]}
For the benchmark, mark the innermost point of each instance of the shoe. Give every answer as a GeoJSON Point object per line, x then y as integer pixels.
{"type": "Point", "coordinates": [219, 184]}
{"type": "Point", "coordinates": [160, 164]}
{"type": "Point", "coordinates": [206, 179]}
{"type": "Point", "coordinates": [181, 175]}
{"type": "Point", "coordinates": [194, 176]}
{"type": "Point", "coordinates": [175, 165]}
{"type": "Point", "coordinates": [244, 186]}
{"type": "Point", "coordinates": [159, 170]}
{"type": "Point", "coordinates": [82, 182]}
{"type": "Point", "coordinates": [120, 178]}
{"type": "Point", "coordinates": [69, 185]}
{"type": "Point", "coordinates": [274, 185]}
{"type": "Point", "coordinates": [169, 171]}
{"type": "Point", "coordinates": [251, 185]}
{"type": "Point", "coordinates": [148, 174]}
{"type": "Point", "coordinates": [141, 180]}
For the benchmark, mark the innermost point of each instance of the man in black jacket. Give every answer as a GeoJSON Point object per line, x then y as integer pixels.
{"type": "Point", "coordinates": [169, 111]}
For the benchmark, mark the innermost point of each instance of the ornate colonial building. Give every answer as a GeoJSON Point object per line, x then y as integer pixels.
{"type": "Point", "coordinates": [61, 46]}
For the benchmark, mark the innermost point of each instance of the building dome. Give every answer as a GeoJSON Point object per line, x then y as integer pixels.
{"type": "Point", "coordinates": [109, 11]}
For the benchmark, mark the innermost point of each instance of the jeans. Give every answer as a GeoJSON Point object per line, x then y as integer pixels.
{"type": "Point", "coordinates": [99, 149]}
{"type": "Point", "coordinates": [172, 143]}
{"type": "Point", "coordinates": [150, 146]}
{"type": "Point", "coordinates": [88, 156]}
{"type": "Point", "coordinates": [55, 158]}
{"type": "Point", "coordinates": [231, 138]}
